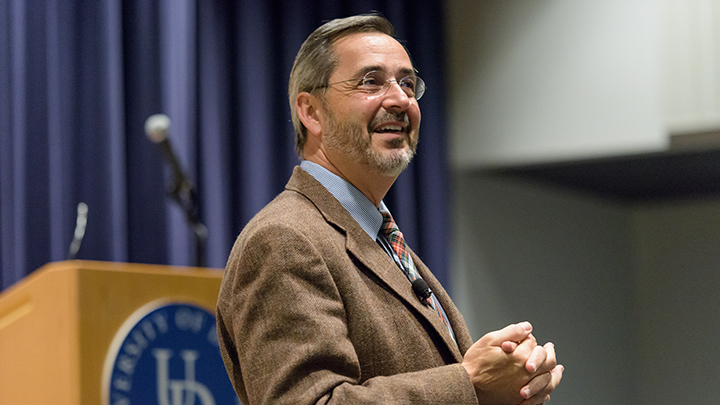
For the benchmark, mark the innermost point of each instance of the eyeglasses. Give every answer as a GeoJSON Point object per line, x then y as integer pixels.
{"type": "Point", "coordinates": [376, 83]}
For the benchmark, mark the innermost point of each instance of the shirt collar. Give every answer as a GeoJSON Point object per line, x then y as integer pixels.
{"type": "Point", "coordinates": [353, 200]}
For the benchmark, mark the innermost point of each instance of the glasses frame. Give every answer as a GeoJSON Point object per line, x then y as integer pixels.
{"type": "Point", "coordinates": [418, 92]}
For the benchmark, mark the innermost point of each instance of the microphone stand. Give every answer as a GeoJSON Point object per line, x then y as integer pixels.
{"type": "Point", "coordinates": [180, 189]}
{"type": "Point", "coordinates": [183, 193]}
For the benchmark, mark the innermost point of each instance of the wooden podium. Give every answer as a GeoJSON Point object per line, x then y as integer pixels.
{"type": "Point", "coordinates": [56, 325]}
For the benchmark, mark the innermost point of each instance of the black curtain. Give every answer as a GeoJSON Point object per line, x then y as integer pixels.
{"type": "Point", "coordinates": [78, 79]}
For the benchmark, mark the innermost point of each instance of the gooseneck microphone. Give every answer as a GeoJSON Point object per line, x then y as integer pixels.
{"type": "Point", "coordinates": [157, 129]}
{"type": "Point", "coordinates": [180, 188]}
{"type": "Point", "coordinates": [422, 290]}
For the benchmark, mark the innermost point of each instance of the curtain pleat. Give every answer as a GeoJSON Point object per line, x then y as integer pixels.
{"type": "Point", "coordinates": [79, 78]}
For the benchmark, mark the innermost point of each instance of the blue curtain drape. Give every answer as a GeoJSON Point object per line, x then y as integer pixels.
{"type": "Point", "coordinates": [78, 79]}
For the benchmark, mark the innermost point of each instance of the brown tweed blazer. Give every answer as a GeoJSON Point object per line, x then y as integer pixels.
{"type": "Point", "coordinates": [312, 310]}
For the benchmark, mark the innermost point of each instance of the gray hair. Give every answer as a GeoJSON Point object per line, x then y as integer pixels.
{"type": "Point", "coordinates": [316, 60]}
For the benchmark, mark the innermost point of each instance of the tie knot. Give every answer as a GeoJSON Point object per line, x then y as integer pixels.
{"type": "Point", "coordinates": [388, 225]}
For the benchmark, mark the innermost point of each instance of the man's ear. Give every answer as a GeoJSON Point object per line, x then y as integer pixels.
{"type": "Point", "coordinates": [309, 110]}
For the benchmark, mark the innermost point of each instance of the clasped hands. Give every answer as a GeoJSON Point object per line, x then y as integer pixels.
{"type": "Point", "coordinates": [507, 367]}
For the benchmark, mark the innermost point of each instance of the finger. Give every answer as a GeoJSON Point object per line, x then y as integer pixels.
{"type": "Point", "coordinates": [557, 374]}
{"type": "Point", "coordinates": [550, 361]}
{"type": "Point", "coordinates": [536, 385]}
{"type": "Point", "coordinates": [543, 394]}
{"type": "Point", "coordinates": [535, 401]}
{"type": "Point", "coordinates": [509, 347]}
{"type": "Point", "coordinates": [525, 349]}
{"type": "Point", "coordinates": [514, 333]}
{"type": "Point", "coordinates": [537, 358]}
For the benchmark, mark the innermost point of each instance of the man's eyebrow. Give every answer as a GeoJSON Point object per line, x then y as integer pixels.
{"type": "Point", "coordinates": [364, 70]}
{"type": "Point", "coordinates": [403, 72]}
{"type": "Point", "coordinates": [408, 72]}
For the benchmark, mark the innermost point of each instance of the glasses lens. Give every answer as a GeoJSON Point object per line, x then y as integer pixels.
{"type": "Point", "coordinates": [419, 88]}
{"type": "Point", "coordinates": [373, 82]}
{"type": "Point", "coordinates": [413, 86]}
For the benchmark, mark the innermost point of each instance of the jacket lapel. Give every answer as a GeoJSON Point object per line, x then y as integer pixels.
{"type": "Point", "coordinates": [377, 261]}
{"type": "Point", "coordinates": [370, 254]}
{"type": "Point", "coordinates": [462, 334]}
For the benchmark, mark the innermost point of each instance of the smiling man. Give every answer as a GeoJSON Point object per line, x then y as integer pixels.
{"type": "Point", "coordinates": [322, 301]}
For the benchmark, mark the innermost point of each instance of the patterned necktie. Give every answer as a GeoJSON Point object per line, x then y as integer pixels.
{"type": "Point", "coordinates": [397, 241]}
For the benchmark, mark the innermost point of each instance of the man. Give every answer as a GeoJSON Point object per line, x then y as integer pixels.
{"type": "Point", "coordinates": [317, 302]}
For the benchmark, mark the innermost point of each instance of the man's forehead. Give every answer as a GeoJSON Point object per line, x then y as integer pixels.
{"type": "Point", "coordinates": [364, 51]}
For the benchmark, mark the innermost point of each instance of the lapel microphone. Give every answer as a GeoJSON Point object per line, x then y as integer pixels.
{"type": "Point", "coordinates": [421, 289]}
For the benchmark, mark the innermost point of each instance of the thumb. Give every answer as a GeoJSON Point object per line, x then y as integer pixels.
{"type": "Point", "coordinates": [513, 333]}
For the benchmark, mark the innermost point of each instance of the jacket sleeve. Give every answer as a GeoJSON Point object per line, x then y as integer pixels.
{"type": "Point", "coordinates": [284, 336]}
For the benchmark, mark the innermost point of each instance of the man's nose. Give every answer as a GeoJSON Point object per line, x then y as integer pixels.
{"type": "Point", "coordinates": [396, 97]}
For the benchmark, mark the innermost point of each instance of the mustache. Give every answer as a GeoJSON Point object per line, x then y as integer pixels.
{"type": "Point", "coordinates": [389, 117]}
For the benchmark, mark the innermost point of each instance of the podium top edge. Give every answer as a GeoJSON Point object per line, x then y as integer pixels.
{"type": "Point", "coordinates": [128, 267]}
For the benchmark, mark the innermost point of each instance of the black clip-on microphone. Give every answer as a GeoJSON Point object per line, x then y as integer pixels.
{"type": "Point", "coordinates": [422, 290]}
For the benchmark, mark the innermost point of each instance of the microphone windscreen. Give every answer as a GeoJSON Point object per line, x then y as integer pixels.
{"type": "Point", "coordinates": [421, 289]}
{"type": "Point", "coordinates": [156, 127]}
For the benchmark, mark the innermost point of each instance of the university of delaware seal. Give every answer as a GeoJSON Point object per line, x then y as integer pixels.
{"type": "Point", "coordinates": [167, 353]}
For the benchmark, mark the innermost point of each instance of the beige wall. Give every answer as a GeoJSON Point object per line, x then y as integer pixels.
{"type": "Point", "coordinates": [629, 292]}
{"type": "Point", "coordinates": [678, 301]}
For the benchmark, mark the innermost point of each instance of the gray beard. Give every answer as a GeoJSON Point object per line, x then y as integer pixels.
{"type": "Point", "coordinates": [355, 143]}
